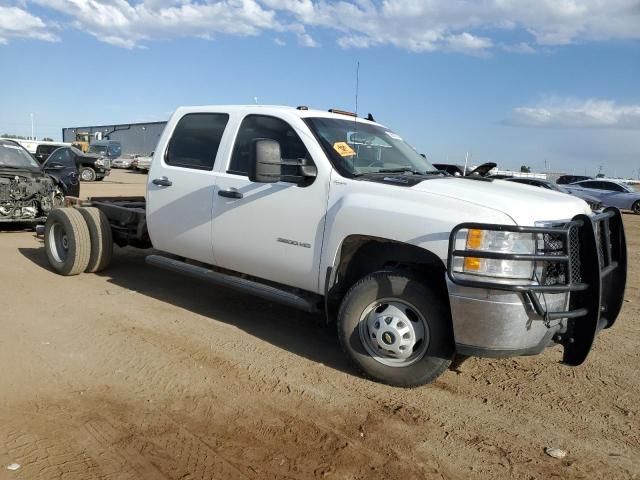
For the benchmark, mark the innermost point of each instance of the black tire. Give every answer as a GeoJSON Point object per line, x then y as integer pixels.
{"type": "Point", "coordinates": [67, 241]}
{"type": "Point", "coordinates": [636, 207]}
{"type": "Point", "coordinates": [87, 174]}
{"type": "Point", "coordinates": [101, 239]}
{"type": "Point", "coordinates": [99, 179]}
{"type": "Point", "coordinates": [385, 285]}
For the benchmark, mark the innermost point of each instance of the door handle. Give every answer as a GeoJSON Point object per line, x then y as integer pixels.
{"type": "Point", "coordinates": [231, 193]}
{"type": "Point", "coordinates": [162, 182]}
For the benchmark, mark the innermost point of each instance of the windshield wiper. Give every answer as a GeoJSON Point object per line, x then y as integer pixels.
{"type": "Point", "coordinates": [399, 170]}
{"type": "Point", "coordinates": [413, 171]}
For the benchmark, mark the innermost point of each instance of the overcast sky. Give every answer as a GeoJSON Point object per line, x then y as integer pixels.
{"type": "Point", "coordinates": [515, 82]}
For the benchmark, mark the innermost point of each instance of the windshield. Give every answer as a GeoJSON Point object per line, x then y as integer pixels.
{"type": "Point", "coordinates": [99, 149]}
{"type": "Point", "coordinates": [358, 148]}
{"type": "Point", "coordinates": [14, 156]}
{"type": "Point", "coordinates": [115, 149]}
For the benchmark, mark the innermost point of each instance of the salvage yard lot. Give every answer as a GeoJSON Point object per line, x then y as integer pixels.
{"type": "Point", "coordinates": [136, 373]}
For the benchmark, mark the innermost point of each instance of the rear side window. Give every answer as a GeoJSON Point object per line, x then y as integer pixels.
{"type": "Point", "coordinates": [614, 187]}
{"type": "Point", "coordinates": [262, 126]}
{"type": "Point", "coordinates": [196, 140]}
{"type": "Point", "coordinates": [46, 149]}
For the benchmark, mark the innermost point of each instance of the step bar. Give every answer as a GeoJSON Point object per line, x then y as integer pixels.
{"type": "Point", "coordinates": [308, 303]}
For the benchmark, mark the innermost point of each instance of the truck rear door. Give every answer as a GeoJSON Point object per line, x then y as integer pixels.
{"type": "Point", "coordinates": [181, 185]}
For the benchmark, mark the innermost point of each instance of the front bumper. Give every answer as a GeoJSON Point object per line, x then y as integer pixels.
{"type": "Point", "coordinates": [587, 257]}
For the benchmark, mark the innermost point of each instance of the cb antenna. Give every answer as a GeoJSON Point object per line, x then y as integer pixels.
{"type": "Point", "coordinates": [357, 84]}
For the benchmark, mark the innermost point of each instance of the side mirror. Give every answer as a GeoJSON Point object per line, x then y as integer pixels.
{"type": "Point", "coordinates": [265, 161]}
{"type": "Point", "coordinates": [266, 164]}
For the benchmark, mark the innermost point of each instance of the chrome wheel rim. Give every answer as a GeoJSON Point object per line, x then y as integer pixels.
{"type": "Point", "coordinates": [636, 208]}
{"type": "Point", "coordinates": [58, 243]}
{"type": "Point", "coordinates": [86, 175]}
{"type": "Point", "coordinates": [394, 332]}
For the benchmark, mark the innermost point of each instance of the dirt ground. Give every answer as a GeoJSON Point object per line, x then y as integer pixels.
{"type": "Point", "coordinates": [138, 374]}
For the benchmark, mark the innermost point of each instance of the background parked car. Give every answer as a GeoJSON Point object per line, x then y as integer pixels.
{"type": "Point", "coordinates": [110, 149]}
{"type": "Point", "coordinates": [143, 164]}
{"type": "Point", "coordinates": [565, 179]}
{"type": "Point", "coordinates": [91, 167]}
{"type": "Point", "coordinates": [593, 202]}
{"type": "Point", "coordinates": [610, 193]}
{"type": "Point", "coordinates": [123, 162]}
{"type": "Point", "coordinates": [28, 190]}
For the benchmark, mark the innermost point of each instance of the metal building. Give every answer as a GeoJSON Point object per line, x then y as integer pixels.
{"type": "Point", "coordinates": [136, 138]}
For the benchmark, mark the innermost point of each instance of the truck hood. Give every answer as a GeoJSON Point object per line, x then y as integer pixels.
{"type": "Point", "coordinates": [524, 204]}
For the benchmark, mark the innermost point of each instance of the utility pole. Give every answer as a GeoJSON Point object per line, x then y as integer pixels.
{"type": "Point", "coordinates": [32, 130]}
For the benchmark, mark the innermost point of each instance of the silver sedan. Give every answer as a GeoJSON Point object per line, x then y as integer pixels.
{"type": "Point", "coordinates": [610, 193]}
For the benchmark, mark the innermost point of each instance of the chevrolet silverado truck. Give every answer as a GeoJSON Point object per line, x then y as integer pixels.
{"type": "Point", "coordinates": [327, 212]}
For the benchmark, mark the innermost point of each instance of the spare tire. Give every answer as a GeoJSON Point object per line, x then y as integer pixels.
{"type": "Point", "coordinates": [101, 239]}
{"type": "Point", "coordinates": [67, 241]}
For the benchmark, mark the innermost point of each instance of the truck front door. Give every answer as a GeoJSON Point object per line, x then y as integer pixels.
{"type": "Point", "coordinates": [272, 231]}
{"type": "Point", "coordinates": [181, 187]}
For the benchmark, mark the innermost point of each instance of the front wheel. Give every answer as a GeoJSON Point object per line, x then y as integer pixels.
{"type": "Point", "coordinates": [636, 207]}
{"type": "Point", "coordinates": [87, 174]}
{"type": "Point", "coordinates": [396, 329]}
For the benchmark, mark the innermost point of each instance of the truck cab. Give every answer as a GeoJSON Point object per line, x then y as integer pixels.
{"type": "Point", "coordinates": [326, 211]}
{"type": "Point", "coordinates": [106, 148]}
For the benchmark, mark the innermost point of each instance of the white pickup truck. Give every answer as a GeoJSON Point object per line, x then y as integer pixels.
{"type": "Point", "coordinates": [327, 212]}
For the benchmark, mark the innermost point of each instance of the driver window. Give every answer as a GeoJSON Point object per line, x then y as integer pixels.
{"type": "Point", "coordinates": [262, 126]}
{"type": "Point", "coordinates": [55, 157]}
{"type": "Point", "coordinates": [62, 156]}
{"type": "Point", "coordinates": [68, 159]}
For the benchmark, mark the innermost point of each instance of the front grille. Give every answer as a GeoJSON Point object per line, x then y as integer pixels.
{"type": "Point", "coordinates": [552, 272]}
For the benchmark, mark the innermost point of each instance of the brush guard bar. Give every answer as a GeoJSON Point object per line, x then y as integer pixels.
{"type": "Point", "coordinates": [589, 257]}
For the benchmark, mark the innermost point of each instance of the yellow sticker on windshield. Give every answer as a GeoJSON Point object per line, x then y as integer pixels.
{"type": "Point", "coordinates": [343, 149]}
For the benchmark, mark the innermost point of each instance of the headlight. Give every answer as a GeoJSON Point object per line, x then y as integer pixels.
{"type": "Point", "coordinates": [100, 162]}
{"type": "Point", "coordinates": [497, 242]}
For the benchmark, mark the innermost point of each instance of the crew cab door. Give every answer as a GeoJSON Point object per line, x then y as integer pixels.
{"type": "Point", "coordinates": [272, 231]}
{"type": "Point", "coordinates": [61, 165]}
{"type": "Point", "coordinates": [180, 190]}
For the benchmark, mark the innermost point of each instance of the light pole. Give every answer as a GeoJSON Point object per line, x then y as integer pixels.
{"type": "Point", "coordinates": [32, 135]}
{"type": "Point", "coordinates": [144, 140]}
